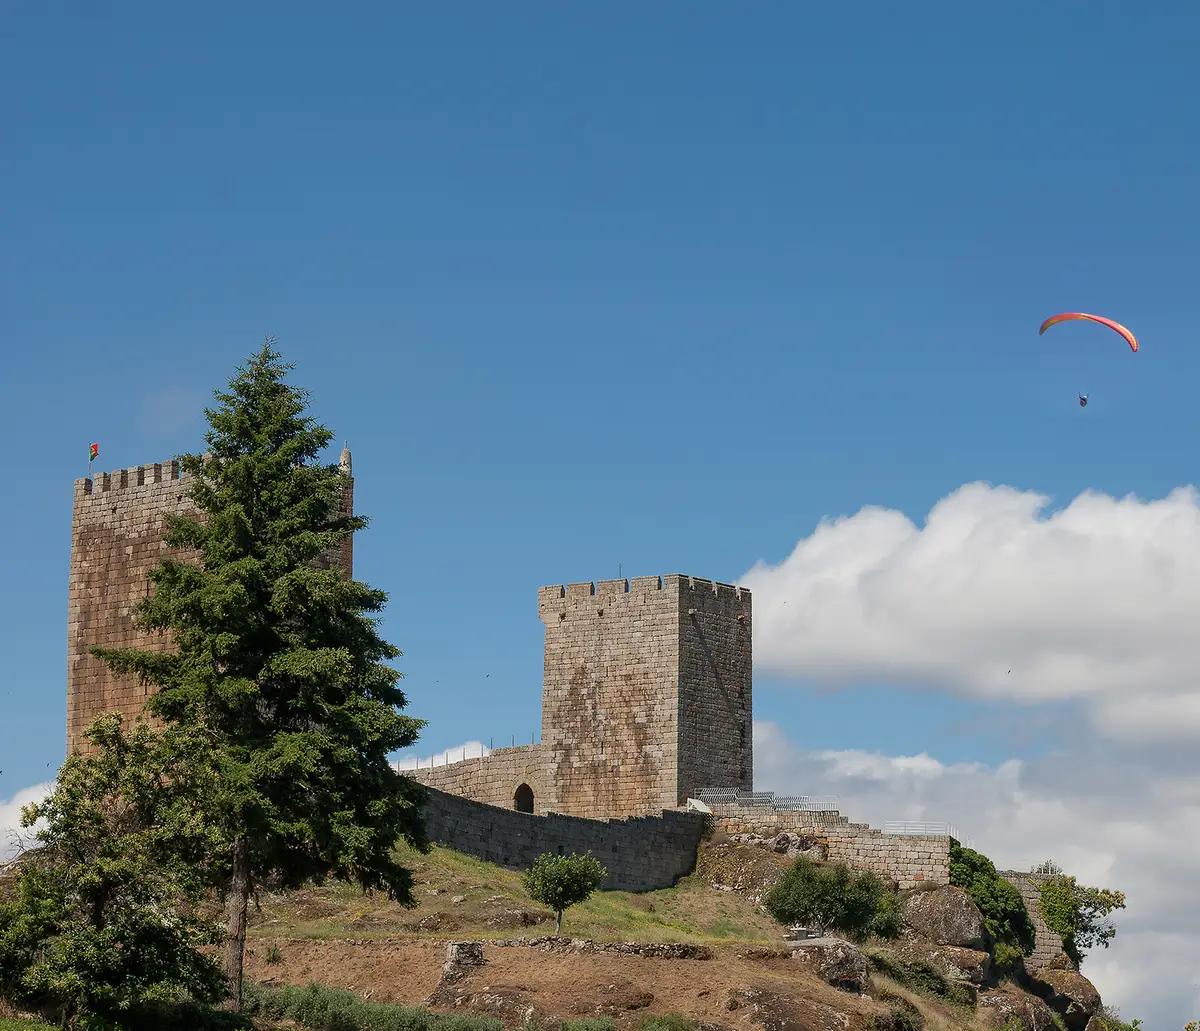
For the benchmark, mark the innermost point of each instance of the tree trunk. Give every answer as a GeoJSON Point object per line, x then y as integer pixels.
{"type": "Point", "coordinates": [235, 921]}
{"type": "Point", "coordinates": [558, 921]}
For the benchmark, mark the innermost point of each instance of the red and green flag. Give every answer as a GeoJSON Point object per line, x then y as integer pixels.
{"type": "Point", "coordinates": [95, 450]}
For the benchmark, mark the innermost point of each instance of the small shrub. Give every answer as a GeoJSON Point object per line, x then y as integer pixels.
{"type": "Point", "coordinates": [832, 897]}
{"type": "Point", "coordinates": [667, 1022]}
{"type": "Point", "coordinates": [273, 954]}
{"type": "Point", "coordinates": [589, 1024]}
{"type": "Point", "coordinates": [563, 881]}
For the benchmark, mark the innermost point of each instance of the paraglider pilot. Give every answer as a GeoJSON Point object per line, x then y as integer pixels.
{"type": "Point", "coordinates": [1083, 400]}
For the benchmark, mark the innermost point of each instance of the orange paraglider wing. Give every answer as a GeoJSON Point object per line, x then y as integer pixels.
{"type": "Point", "coordinates": [1054, 320]}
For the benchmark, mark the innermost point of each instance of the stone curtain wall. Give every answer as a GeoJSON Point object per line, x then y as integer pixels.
{"type": "Point", "coordinates": [609, 714]}
{"type": "Point", "coordinates": [640, 853]}
{"type": "Point", "coordinates": [117, 527]}
{"type": "Point", "coordinates": [907, 859]}
{"type": "Point", "coordinates": [1047, 944]}
{"type": "Point", "coordinates": [492, 779]}
{"type": "Point", "coordinates": [715, 680]}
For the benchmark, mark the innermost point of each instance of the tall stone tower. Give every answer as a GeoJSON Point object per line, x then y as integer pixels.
{"type": "Point", "coordinates": [646, 693]}
{"type": "Point", "coordinates": [117, 529]}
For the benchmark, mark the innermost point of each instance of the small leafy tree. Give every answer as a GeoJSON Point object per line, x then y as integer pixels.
{"type": "Point", "coordinates": [1075, 912]}
{"type": "Point", "coordinates": [278, 662]}
{"type": "Point", "coordinates": [835, 898]}
{"type": "Point", "coordinates": [563, 881]}
{"type": "Point", "coordinates": [100, 922]}
{"type": "Point", "coordinates": [1004, 913]}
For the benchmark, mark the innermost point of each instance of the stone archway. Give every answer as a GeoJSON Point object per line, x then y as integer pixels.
{"type": "Point", "coordinates": [523, 799]}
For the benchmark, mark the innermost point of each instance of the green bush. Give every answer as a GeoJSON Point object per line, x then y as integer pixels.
{"type": "Point", "coordinates": [834, 898]}
{"type": "Point", "coordinates": [667, 1022]}
{"type": "Point", "coordinates": [563, 881]}
{"type": "Point", "coordinates": [1076, 913]}
{"type": "Point", "coordinates": [317, 1008]}
{"type": "Point", "coordinates": [589, 1024]}
{"type": "Point", "coordinates": [1004, 913]}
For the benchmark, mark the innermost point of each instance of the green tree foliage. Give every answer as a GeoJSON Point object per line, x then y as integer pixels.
{"type": "Point", "coordinates": [95, 927]}
{"type": "Point", "coordinates": [834, 898]}
{"type": "Point", "coordinates": [279, 666]}
{"type": "Point", "coordinates": [1003, 909]}
{"type": "Point", "coordinates": [563, 881]}
{"type": "Point", "coordinates": [1075, 912]}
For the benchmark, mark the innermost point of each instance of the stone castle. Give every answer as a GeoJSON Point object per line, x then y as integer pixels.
{"type": "Point", "coordinates": [646, 698]}
{"type": "Point", "coordinates": [646, 712]}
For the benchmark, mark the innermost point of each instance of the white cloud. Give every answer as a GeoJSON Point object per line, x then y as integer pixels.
{"type": "Point", "coordinates": [1095, 602]}
{"type": "Point", "coordinates": [12, 834]}
{"type": "Point", "coordinates": [468, 750]}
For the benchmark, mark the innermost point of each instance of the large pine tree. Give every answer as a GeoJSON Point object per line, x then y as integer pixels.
{"type": "Point", "coordinates": [278, 663]}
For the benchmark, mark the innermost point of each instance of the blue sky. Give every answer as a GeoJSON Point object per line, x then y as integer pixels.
{"type": "Point", "coordinates": [650, 288]}
{"type": "Point", "coordinates": [657, 286]}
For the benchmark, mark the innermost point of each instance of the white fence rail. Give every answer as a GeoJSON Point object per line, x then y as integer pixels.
{"type": "Point", "coordinates": [767, 800]}
{"type": "Point", "coordinates": [918, 829]}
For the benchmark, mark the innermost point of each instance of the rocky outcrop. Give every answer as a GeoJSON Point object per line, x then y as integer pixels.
{"type": "Point", "coordinates": [461, 958]}
{"type": "Point", "coordinates": [1002, 1005]}
{"type": "Point", "coordinates": [836, 962]}
{"type": "Point", "coordinates": [774, 1011]}
{"type": "Point", "coordinates": [947, 916]}
{"type": "Point", "coordinates": [786, 844]}
{"type": "Point", "coordinates": [1068, 993]}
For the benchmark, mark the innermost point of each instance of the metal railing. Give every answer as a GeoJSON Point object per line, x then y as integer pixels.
{"type": "Point", "coordinates": [915, 828]}
{"type": "Point", "coordinates": [767, 800]}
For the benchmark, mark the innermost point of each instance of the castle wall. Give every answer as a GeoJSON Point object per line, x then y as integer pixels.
{"type": "Point", "coordinates": [715, 745]}
{"type": "Point", "coordinates": [907, 859]}
{"type": "Point", "coordinates": [117, 527]}
{"type": "Point", "coordinates": [1047, 945]}
{"type": "Point", "coordinates": [492, 779]}
{"type": "Point", "coordinates": [609, 715]}
{"type": "Point", "coordinates": [640, 853]}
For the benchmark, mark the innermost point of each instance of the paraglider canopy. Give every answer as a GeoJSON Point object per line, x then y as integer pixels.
{"type": "Point", "coordinates": [1069, 316]}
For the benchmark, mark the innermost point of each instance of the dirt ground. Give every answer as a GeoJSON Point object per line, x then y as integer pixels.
{"type": "Point", "coordinates": [517, 982]}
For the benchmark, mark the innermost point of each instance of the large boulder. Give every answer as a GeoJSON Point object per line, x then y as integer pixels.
{"type": "Point", "coordinates": [1000, 1007]}
{"type": "Point", "coordinates": [1069, 994]}
{"type": "Point", "coordinates": [834, 961]}
{"type": "Point", "coordinates": [947, 916]}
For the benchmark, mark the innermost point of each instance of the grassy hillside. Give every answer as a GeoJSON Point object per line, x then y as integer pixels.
{"type": "Point", "coordinates": [460, 896]}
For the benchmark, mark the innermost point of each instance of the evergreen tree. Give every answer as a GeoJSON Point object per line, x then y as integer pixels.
{"type": "Point", "coordinates": [279, 667]}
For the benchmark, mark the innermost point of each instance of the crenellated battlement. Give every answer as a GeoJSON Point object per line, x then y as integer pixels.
{"type": "Point", "coordinates": [136, 476]}
{"type": "Point", "coordinates": [593, 595]}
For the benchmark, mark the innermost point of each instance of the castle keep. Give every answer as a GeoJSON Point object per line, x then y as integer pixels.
{"type": "Point", "coordinates": [117, 526]}
{"type": "Point", "coordinates": [646, 696]}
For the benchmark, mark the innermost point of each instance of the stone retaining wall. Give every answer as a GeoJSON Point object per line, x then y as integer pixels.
{"type": "Point", "coordinates": [641, 853]}
{"type": "Point", "coordinates": [907, 859]}
{"type": "Point", "coordinates": [1047, 944]}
